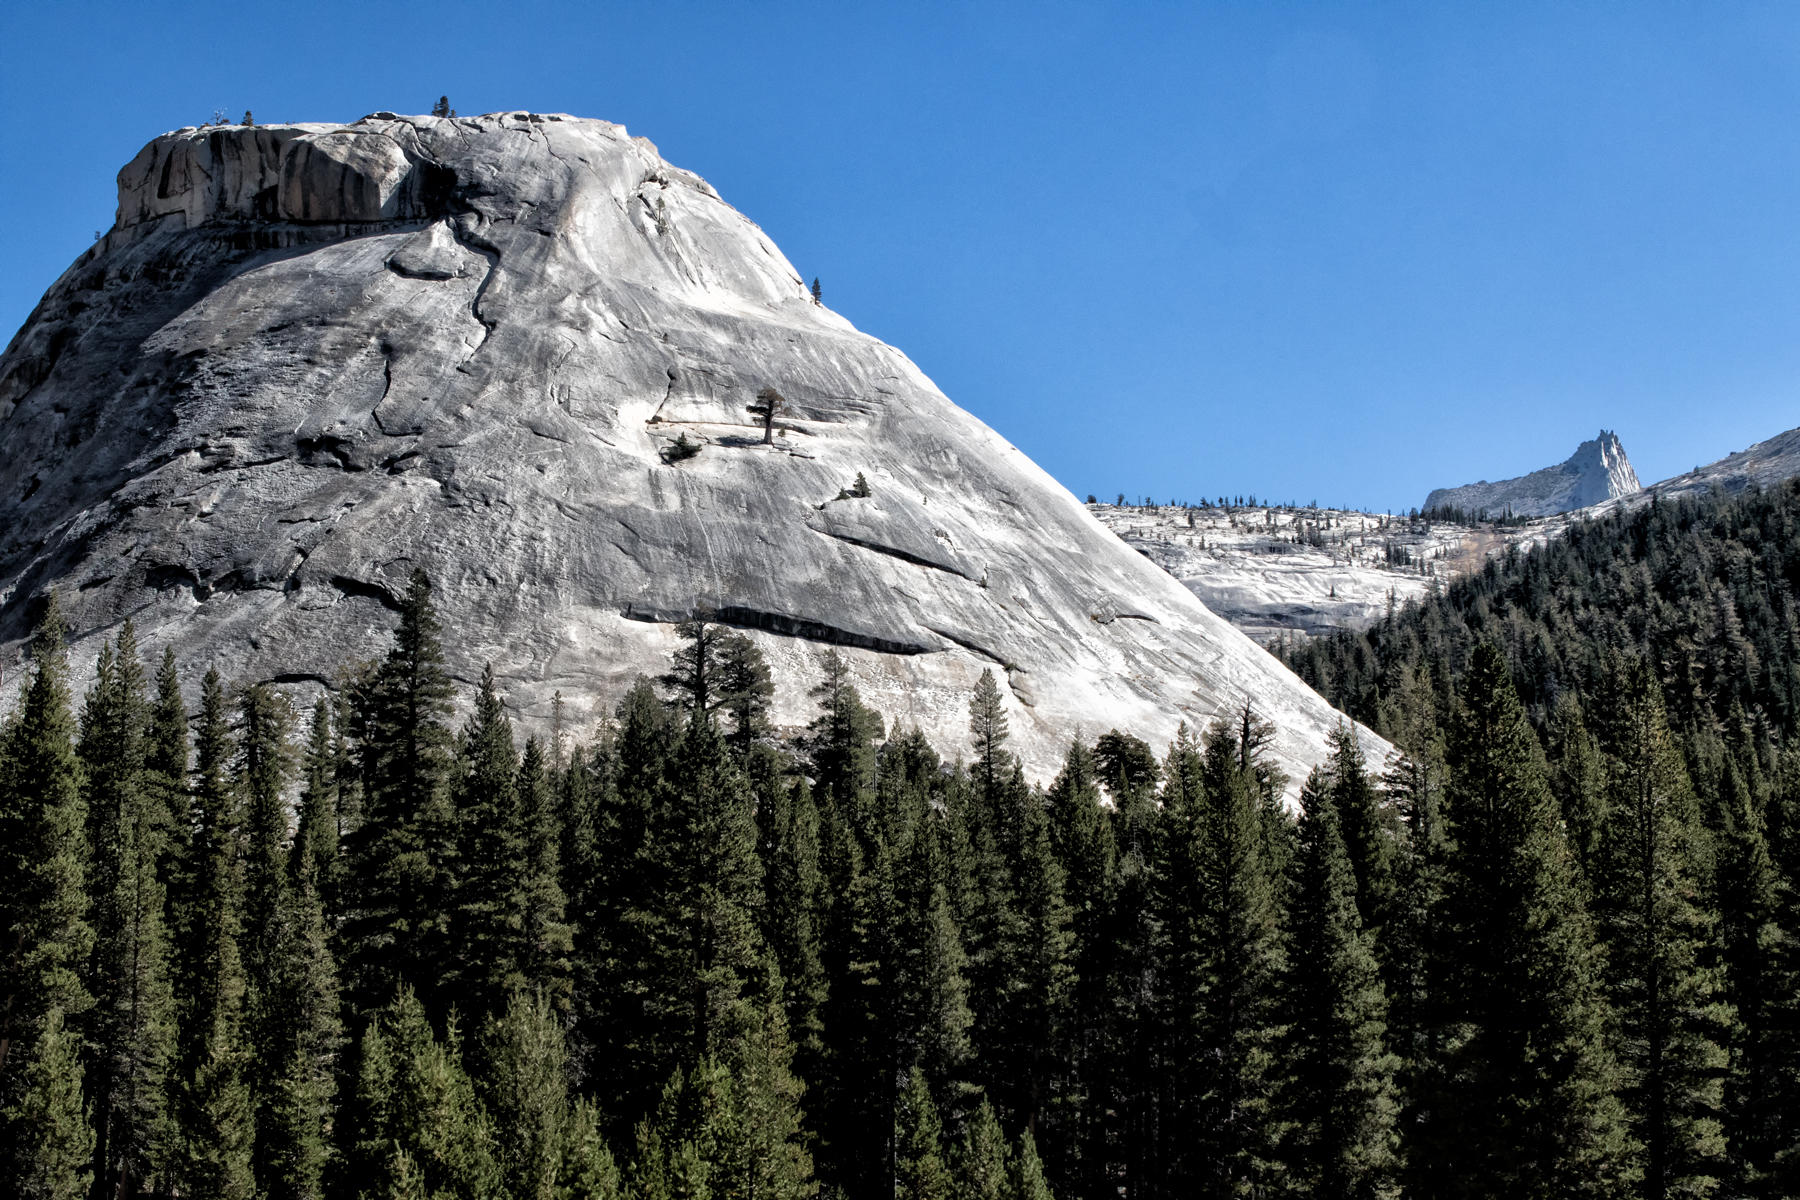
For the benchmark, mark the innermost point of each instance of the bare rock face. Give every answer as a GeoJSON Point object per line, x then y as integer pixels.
{"type": "Point", "coordinates": [309, 358]}
{"type": "Point", "coordinates": [1766, 464]}
{"type": "Point", "coordinates": [1598, 471]}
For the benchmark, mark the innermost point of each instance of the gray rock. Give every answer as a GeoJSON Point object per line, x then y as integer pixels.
{"type": "Point", "coordinates": [1766, 464]}
{"type": "Point", "coordinates": [309, 358]}
{"type": "Point", "coordinates": [1598, 471]}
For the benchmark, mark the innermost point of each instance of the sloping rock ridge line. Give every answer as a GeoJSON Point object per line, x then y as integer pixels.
{"type": "Point", "coordinates": [308, 358]}
{"type": "Point", "coordinates": [1598, 471]}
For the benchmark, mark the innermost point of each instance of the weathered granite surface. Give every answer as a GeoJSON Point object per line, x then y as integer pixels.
{"type": "Point", "coordinates": [308, 358]}
{"type": "Point", "coordinates": [1765, 464]}
{"type": "Point", "coordinates": [1598, 471]}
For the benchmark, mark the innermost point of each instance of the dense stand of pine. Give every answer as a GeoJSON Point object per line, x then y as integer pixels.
{"type": "Point", "coordinates": [1551, 949]}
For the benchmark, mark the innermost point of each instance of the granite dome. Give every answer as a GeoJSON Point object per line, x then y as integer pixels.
{"type": "Point", "coordinates": [308, 358]}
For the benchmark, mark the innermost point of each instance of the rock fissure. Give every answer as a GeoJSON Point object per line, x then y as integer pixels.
{"type": "Point", "coordinates": [786, 624]}
{"type": "Point", "coordinates": [891, 551]}
{"type": "Point", "coordinates": [971, 645]}
{"type": "Point", "coordinates": [491, 253]}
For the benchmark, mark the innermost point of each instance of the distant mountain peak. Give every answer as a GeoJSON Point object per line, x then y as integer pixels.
{"type": "Point", "coordinates": [1596, 472]}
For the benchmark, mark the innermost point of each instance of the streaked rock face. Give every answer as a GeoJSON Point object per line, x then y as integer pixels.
{"type": "Point", "coordinates": [309, 358]}
{"type": "Point", "coordinates": [1598, 471]}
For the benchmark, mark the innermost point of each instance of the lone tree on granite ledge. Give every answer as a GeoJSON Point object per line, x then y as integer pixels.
{"type": "Point", "coordinates": [768, 403]}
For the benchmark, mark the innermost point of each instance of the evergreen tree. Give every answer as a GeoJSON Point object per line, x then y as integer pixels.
{"type": "Point", "coordinates": [131, 1027]}
{"type": "Point", "coordinates": [316, 833]}
{"type": "Point", "coordinates": [399, 854]}
{"type": "Point", "coordinates": [1220, 961]}
{"type": "Point", "coordinates": [50, 1138]}
{"type": "Point", "coordinates": [1413, 785]}
{"type": "Point", "coordinates": [1665, 985]}
{"type": "Point", "coordinates": [988, 730]}
{"type": "Point", "coordinates": [419, 1122]}
{"type": "Point", "coordinates": [546, 938]}
{"type": "Point", "coordinates": [215, 1103]}
{"type": "Point", "coordinates": [588, 1170]}
{"type": "Point", "coordinates": [745, 689]}
{"type": "Point", "coordinates": [983, 1160]}
{"type": "Point", "coordinates": [217, 1107]}
{"type": "Point", "coordinates": [1341, 1103]}
{"type": "Point", "coordinates": [1020, 948]}
{"type": "Point", "coordinates": [1578, 781]}
{"type": "Point", "coordinates": [1521, 1089]}
{"type": "Point", "coordinates": [774, 1161]}
{"type": "Point", "coordinates": [794, 901]}
{"type": "Point", "coordinates": [1366, 827]}
{"type": "Point", "coordinates": [486, 924]}
{"type": "Point", "coordinates": [647, 735]}
{"type": "Point", "coordinates": [211, 875]}
{"type": "Point", "coordinates": [46, 1138]}
{"type": "Point", "coordinates": [1125, 764]}
{"type": "Point", "coordinates": [919, 1170]}
{"type": "Point", "coordinates": [525, 1087]}
{"type": "Point", "coordinates": [294, 1132]}
{"type": "Point", "coordinates": [691, 936]}
{"type": "Point", "coordinates": [1757, 958]}
{"type": "Point", "coordinates": [166, 775]}
{"type": "Point", "coordinates": [1081, 838]}
{"type": "Point", "coordinates": [592, 865]}
{"type": "Point", "coordinates": [922, 960]}
{"type": "Point", "coordinates": [1253, 736]}
{"type": "Point", "coordinates": [697, 675]}
{"type": "Point", "coordinates": [855, 1112]}
{"type": "Point", "coordinates": [1128, 1076]}
{"type": "Point", "coordinates": [840, 744]}
{"type": "Point", "coordinates": [1028, 1044]}
{"type": "Point", "coordinates": [1026, 1176]}
{"type": "Point", "coordinates": [712, 1134]}
{"type": "Point", "coordinates": [304, 1035]}
{"type": "Point", "coordinates": [1781, 1074]}
{"type": "Point", "coordinates": [265, 766]}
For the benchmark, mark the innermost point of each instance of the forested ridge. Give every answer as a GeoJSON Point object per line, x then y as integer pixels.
{"type": "Point", "coordinates": [1547, 950]}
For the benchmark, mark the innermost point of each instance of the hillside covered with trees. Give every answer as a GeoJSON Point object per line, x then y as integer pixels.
{"type": "Point", "coordinates": [1548, 950]}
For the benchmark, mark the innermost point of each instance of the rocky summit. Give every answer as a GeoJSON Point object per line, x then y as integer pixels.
{"type": "Point", "coordinates": [1596, 472]}
{"type": "Point", "coordinates": [521, 351]}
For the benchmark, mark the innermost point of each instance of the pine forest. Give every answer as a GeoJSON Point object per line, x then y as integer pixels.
{"type": "Point", "coordinates": [1550, 948]}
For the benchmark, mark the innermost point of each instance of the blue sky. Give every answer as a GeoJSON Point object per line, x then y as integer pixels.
{"type": "Point", "coordinates": [1311, 251]}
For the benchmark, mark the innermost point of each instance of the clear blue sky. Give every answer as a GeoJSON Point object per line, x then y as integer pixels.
{"type": "Point", "coordinates": [1345, 252]}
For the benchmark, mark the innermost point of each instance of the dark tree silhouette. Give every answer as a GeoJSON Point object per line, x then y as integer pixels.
{"type": "Point", "coordinates": [768, 403]}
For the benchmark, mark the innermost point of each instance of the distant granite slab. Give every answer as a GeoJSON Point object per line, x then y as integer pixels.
{"type": "Point", "coordinates": [1598, 471]}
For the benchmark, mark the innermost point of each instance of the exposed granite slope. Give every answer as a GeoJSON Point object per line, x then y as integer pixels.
{"type": "Point", "coordinates": [1763, 465]}
{"type": "Point", "coordinates": [309, 358]}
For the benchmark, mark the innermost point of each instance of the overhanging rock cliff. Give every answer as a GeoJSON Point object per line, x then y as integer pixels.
{"type": "Point", "coordinates": [309, 358]}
